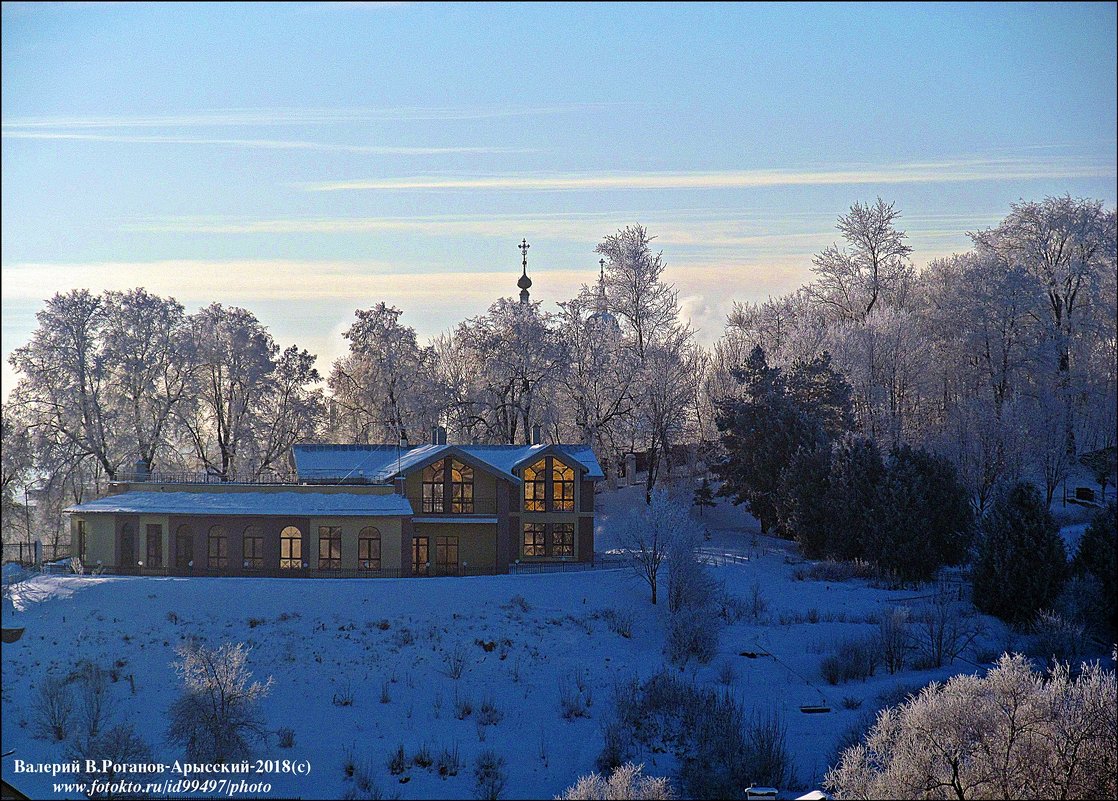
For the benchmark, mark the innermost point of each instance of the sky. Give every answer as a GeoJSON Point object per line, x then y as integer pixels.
{"type": "Point", "coordinates": [306, 160]}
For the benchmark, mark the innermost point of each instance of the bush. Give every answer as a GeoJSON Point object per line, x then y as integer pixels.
{"type": "Point", "coordinates": [448, 762]}
{"type": "Point", "coordinates": [1021, 563]}
{"type": "Point", "coordinates": [490, 776]}
{"type": "Point", "coordinates": [398, 762]}
{"type": "Point", "coordinates": [619, 621]}
{"type": "Point", "coordinates": [117, 745]}
{"type": "Point", "coordinates": [52, 708]}
{"type": "Point", "coordinates": [943, 628]}
{"type": "Point", "coordinates": [854, 659]}
{"type": "Point", "coordinates": [1056, 637]}
{"type": "Point", "coordinates": [93, 697]}
{"type": "Point", "coordinates": [895, 638]}
{"type": "Point", "coordinates": [692, 634]}
{"type": "Point", "coordinates": [218, 714]}
{"type": "Point", "coordinates": [625, 782]}
{"type": "Point", "coordinates": [1012, 733]}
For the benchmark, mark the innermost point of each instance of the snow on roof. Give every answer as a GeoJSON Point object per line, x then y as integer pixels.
{"type": "Point", "coordinates": [293, 504]}
{"type": "Point", "coordinates": [379, 462]}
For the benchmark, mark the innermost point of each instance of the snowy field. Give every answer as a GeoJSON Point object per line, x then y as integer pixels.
{"type": "Point", "coordinates": [521, 642]}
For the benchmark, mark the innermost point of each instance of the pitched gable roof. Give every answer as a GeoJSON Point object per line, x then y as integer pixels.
{"type": "Point", "coordinates": [381, 463]}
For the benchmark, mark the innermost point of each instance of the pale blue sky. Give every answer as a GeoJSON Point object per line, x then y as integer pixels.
{"type": "Point", "coordinates": [306, 160]}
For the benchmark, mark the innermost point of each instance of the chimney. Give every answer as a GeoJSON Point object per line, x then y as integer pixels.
{"type": "Point", "coordinates": [435, 435]}
{"type": "Point", "coordinates": [537, 435]}
{"type": "Point", "coordinates": [140, 471]}
{"type": "Point", "coordinates": [442, 435]}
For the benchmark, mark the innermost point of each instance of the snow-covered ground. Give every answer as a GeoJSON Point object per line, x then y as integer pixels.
{"type": "Point", "coordinates": [390, 642]}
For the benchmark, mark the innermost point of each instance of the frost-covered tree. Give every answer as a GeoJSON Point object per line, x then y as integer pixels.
{"type": "Point", "coordinates": [385, 388]}
{"type": "Point", "coordinates": [1096, 564]}
{"type": "Point", "coordinates": [217, 717]}
{"type": "Point", "coordinates": [873, 265]}
{"type": "Point", "coordinates": [1021, 563]}
{"type": "Point", "coordinates": [1012, 733]}
{"type": "Point", "coordinates": [649, 534]}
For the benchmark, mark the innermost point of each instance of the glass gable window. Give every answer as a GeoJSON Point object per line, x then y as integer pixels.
{"type": "Point", "coordinates": [329, 547]}
{"type": "Point", "coordinates": [368, 549]}
{"type": "Point", "coordinates": [535, 487]}
{"type": "Point", "coordinates": [253, 547]}
{"type": "Point", "coordinates": [433, 487]}
{"type": "Point", "coordinates": [218, 547]}
{"type": "Point", "coordinates": [562, 487]}
{"type": "Point", "coordinates": [461, 488]}
{"type": "Point", "coordinates": [291, 548]}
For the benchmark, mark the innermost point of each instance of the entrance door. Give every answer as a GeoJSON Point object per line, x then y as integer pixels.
{"type": "Point", "coordinates": [155, 546]}
{"type": "Point", "coordinates": [420, 556]}
{"type": "Point", "coordinates": [127, 546]}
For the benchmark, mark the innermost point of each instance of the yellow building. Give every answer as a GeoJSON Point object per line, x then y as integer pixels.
{"type": "Point", "coordinates": [357, 510]}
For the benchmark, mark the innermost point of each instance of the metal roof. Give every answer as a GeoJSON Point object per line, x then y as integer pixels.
{"type": "Point", "coordinates": [250, 504]}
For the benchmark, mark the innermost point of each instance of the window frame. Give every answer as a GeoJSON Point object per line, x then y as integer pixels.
{"type": "Point", "coordinates": [538, 544]}
{"type": "Point", "coordinates": [460, 477]}
{"type": "Point", "coordinates": [331, 536]}
{"type": "Point", "coordinates": [221, 539]}
{"type": "Point", "coordinates": [364, 541]}
{"type": "Point", "coordinates": [444, 543]}
{"type": "Point", "coordinates": [291, 560]}
{"type": "Point", "coordinates": [433, 487]}
{"type": "Point", "coordinates": [562, 500]}
{"type": "Point", "coordinates": [534, 476]}
{"type": "Point", "coordinates": [184, 535]}
{"type": "Point", "coordinates": [254, 559]}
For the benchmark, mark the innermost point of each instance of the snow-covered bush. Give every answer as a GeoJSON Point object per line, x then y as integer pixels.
{"type": "Point", "coordinates": [625, 784]}
{"type": "Point", "coordinates": [490, 776]}
{"type": "Point", "coordinates": [1056, 637]}
{"type": "Point", "coordinates": [1013, 733]}
{"type": "Point", "coordinates": [650, 534]}
{"type": "Point", "coordinates": [53, 708]}
{"type": "Point", "coordinates": [692, 634]}
{"type": "Point", "coordinates": [943, 628]}
{"type": "Point", "coordinates": [218, 714]}
{"type": "Point", "coordinates": [856, 658]}
{"type": "Point", "coordinates": [895, 639]}
{"type": "Point", "coordinates": [117, 745]}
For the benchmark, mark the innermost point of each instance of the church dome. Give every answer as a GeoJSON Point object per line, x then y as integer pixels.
{"type": "Point", "coordinates": [524, 282]}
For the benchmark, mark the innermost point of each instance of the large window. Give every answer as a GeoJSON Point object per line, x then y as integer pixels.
{"type": "Point", "coordinates": [291, 548]}
{"type": "Point", "coordinates": [368, 549]}
{"type": "Point", "coordinates": [329, 547]}
{"type": "Point", "coordinates": [184, 547]}
{"type": "Point", "coordinates": [446, 556]}
{"type": "Point", "coordinates": [535, 487]}
{"type": "Point", "coordinates": [461, 488]}
{"type": "Point", "coordinates": [154, 545]}
{"type": "Point", "coordinates": [562, 540]}
{"type": "Point", "coordinates": [218, 547]}
{"type": "Point", "coordinates": [420, 555]}
{"type": "Point", "coordinates": [533, 544]}
{"type": "Point", "coordinates": [562, 487]}
{"type": "Point", "coordinates": [448, 485]}
{"type": "Point", "coordinates": [434, 490]}
{"type": "Point", "coordinates": [253, 544]}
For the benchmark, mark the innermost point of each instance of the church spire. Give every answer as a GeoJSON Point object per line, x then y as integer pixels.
{"type": "Point", "coordinates": [601, 303]}
{"type": "Point", "coordinates": [525, 282]}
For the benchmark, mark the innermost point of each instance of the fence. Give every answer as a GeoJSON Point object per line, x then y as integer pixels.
{"type": "Point", "coordinates": [24, 552]}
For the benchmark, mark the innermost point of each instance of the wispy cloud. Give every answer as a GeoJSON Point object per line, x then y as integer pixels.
{"type": "Point", "coordinates": [936, 172]}
{"type": "Point", "coordinates": [264, 144]}
{"type": "Point", "coordinates": [298, 116]}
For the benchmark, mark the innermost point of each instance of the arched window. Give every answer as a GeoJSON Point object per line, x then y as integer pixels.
{"type": "Point", "coordinates": [368, 548]}
{"type": "Point", "coordinates": [291, 548]}
{"type": "Point", "coordinates": [253, 545]}
{"type": "Point", "coordinates": [535, 488]}
{"type": "Point", "coordinates": [184, 547]}
{"type": "Point", "coordinates": [461, 488]}
{"type": "Point", "coordinates": [434, 491]}
{"type": "Point", "coordinates": [562, 487]}
{"type": "Point", "coordinates": [218, 547]}
{"type": "Point", "coordinates": [329, 547]}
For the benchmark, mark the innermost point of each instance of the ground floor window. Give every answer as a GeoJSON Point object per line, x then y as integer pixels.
{"type": "Point", "coordinates": [155, 546]}
{"type": "Point", "coordinates": [446, 556]}
{"type": "Point", "coordinates": [420, 556]}
{"type": "Point", "coordinates": [184, 547]}
{"type": "Point", "coordinates": [534, 539]}
{"type": "Point", "coordinates": [368, 549]}
{"type": "Point", "coordinates": [253, 547]}
{"type": "Point", "coordinates": [218, 547]}
{"type": "Point", "coordinates": [291, 548]}
{"type": "Point", "coordinates": [329, 547]}
{"type": "Point", "coordinates": [562, 540]}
